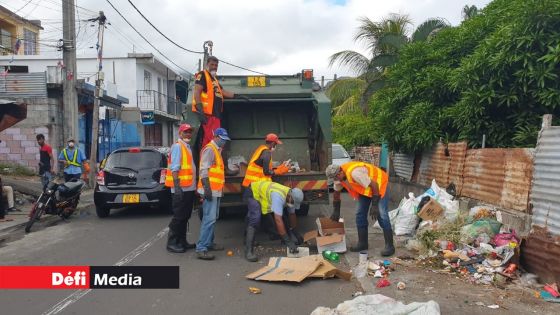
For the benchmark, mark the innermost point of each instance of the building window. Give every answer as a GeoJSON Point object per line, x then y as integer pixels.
{"type": "Point", "coordinates": [147, 80]}
{"type": "Point", "coordinates": [6, 42]}
{"type": "Point", "coordinates": [30, 42]}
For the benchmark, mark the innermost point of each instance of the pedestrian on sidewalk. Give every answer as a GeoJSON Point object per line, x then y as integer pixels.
{"type": "Point", "coordinates": [210, 186]}
{"type": "Point", "coordinates": [367, 184]}
{"type": "Point", "coordinates": [208, 99]}
{"type": "Point", "coordinates": [180, 177]}
{"type": "Point", "coordinates": [45, 160]}
{"type": "Point", "coordinates": [73, 158]}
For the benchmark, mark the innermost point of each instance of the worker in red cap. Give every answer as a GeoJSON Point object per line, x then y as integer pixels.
{"type": "Point", "coordinates": [260, 169]}
{"type": "Point", "coordinates": [180, 177]}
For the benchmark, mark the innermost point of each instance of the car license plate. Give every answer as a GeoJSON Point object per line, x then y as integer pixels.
{"type": "Point", "coordinates": [131, 198]}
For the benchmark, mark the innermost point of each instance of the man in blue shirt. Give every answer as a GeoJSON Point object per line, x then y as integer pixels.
{"type": "Point", "coordinates": [73, 159]}
{"type": "Point", "coordinates": [180, 177]}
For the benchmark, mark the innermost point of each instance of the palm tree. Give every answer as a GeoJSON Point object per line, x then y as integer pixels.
{"type": "Point", "coordinates": [383, 40]}
{"type": "Point", "coordinates": [469, 12]}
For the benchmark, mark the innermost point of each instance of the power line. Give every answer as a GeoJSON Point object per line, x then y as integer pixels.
{"type": "Point", "coordinates": [28, 2]}
{"type": "Point", "coordinates": [174, 43]}
{"type": "Point", "coordinates": [169, 39]}
{"type": "Point", "coordinates": [144, 38]}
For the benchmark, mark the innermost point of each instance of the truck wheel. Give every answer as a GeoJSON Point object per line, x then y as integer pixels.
{"type": "Point", "coordinates": [102, 212]}
{"type": "Point", "coordinates": [303, 210]}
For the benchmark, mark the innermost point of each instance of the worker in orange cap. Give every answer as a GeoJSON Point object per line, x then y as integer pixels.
{"type": "Point", "coordinates": [260, 169]}
{"type": "Point", "coordinates": [180, 177]}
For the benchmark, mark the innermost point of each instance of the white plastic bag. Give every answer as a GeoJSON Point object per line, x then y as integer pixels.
{"type": "Point", "coordinates": [379, 304]}
{"type": "Point", "coordinates": [450, 206]}
{"type": "Point", "coordinates": [407, 220]}
{"type": "Point", "coordinates": [392, 219]}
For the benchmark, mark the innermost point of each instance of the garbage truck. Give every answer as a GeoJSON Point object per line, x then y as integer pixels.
{"type": "Point", "coordinates": [292, 106]}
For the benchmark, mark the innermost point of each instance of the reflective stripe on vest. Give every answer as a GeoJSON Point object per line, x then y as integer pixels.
{"type": "Point", "coordinates": [185, 173]}
{"type": "Point", "coordinates": [376, 174]}
{"type": "Point", "coordinates": [74, 160]}
{"type": "Point", "coordinates": [254, 172]}
{"type": "Point", "coordinates": [207, 99]}
{"type": "Point", "coordinates": [262, 192]}
{"type": "Point", "coordinates": [216, 173]}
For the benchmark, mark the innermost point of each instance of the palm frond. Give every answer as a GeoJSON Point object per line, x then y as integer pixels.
{"type": "Point", "coordinates": [469, 12]}
{"type": "Point", "coordinates": [351, 59]}
{"type": "Point", "coordinates": [343, 89]}
{"type": "Point", "coordinates": [392, 42]}
{"type": "Point", "coordinates": [350, 106]}
{"type": "Point", "coordinates": [370, 89]}
{"type": "Point", "coordinates": [383, 61]}
{"type": "Point", "coordinates": [428, 29]}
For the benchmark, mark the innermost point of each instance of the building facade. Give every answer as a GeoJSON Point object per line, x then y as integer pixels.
{"type": "Point", "coordinates": [18, 36]}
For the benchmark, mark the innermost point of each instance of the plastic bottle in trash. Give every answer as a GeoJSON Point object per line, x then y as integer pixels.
{"type": "Point", "coordinates": [331, 256]}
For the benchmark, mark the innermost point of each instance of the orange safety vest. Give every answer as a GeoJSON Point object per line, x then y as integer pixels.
{"type": "Point", "coordinates": [207, 98]}
{"type": "Point", "coordinates": [376, 174]}
{"type": "Point", "coordinates": [185, 173]}
{"type": "Point", "coordinates": [216, 173]}
{"type": "Point", "coordinates": [255, 173]}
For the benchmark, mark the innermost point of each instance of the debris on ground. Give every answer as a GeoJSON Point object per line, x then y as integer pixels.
{"type": "Point", "coordinates": [255, 290]}
{"type": "Point", "coordinates": [401, 285]}
{"type": "Point", "coordinates": [379, 304]}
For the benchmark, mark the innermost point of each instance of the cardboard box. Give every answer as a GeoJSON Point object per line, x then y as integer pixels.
{"type": "Point", "coordinates": [431, 211]}
{"type": "Point", "coordinates": [330, 235]}
{"type": "Point", "coordinates": [298, 269]}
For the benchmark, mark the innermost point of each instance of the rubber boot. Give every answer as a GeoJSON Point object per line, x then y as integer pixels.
{"type": "Point", "coordinates": [249, 239]}
{"type": "Point", "coordinates": [389, 246]}
{"type": "Point", "coordinates": [362, 240]}
{"type": "Point", "coordinates": [183, 238]}
{"type": "Point", "coordinates": [174, 244]}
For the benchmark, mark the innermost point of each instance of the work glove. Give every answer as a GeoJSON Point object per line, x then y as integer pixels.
{"type": "Point", "coordinates": [281, 170]}
{"type": "Point", "coordinates": [243, 97]}
{"type": "Point", "coordinates": [207, 189]}
{"type": "Point", "coordinates": [374, 207]}
{"type": "Point", "coordinates": [336, 211]}
{"type": "Point", "coordinates": [291, 245]}
{"type": "Point", "coordinates": [295, 237]}
{"type": "Point", "coordinates": [178, 192]}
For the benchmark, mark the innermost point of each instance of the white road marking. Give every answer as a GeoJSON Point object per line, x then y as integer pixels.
{"type": "Point", "coordinates": [74, 297]}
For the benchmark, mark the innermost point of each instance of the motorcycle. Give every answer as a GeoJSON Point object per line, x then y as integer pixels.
{"type": "Point", "coordinates": [56, 199]}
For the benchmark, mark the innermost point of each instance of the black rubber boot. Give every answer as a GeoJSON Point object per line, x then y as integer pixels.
{"type": "Point", "coordinates": [389, 246]}
{"type": "Point", "coordinates": [183, 238]}
{"type": "Point", "coordinates": [174, 243]}
{"type": "Point", "coordinates": [249, 239]}
{"type": "Point", "coordinates": [362, 240]}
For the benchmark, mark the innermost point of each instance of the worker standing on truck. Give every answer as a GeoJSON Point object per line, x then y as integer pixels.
{"type": "Point", "coordinates": [260, 165]}
{"type": "Point", "coordinates": [208, 99]}
{"type": "Point", "coordinates": [210, 186]}
{"type": "Point", "coordinates": [264, 197]}
{"type": "Point", "coordinates": [180, 177]}
{"type": "Point", "coordinates": [366, 183]}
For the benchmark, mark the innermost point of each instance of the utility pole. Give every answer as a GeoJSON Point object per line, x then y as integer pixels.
{"type": "Point", "coordinates": [70, 96]}
{"type": "Point", "coordinates": [96, 102]}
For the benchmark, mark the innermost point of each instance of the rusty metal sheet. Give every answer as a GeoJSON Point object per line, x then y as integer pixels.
{"type": "Point", "coordinates": [540, 254]}
{"type": "Point", "coordinates": [545, 194]}
{"type": "Point", "coordinates": [445, 169]}
{"type": "Point", "coordinates": [501, 177]}
{"type": "Point", "coordinates": [403, 165]}
{"type": "Point", "coordinates": [24, 85]}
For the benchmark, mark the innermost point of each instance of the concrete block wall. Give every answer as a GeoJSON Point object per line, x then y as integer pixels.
{"type": "Point", "coordinates": [19, 145]}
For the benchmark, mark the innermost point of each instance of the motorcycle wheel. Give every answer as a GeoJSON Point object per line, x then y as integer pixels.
{"type": "Point", "coordinates": [37, 213]}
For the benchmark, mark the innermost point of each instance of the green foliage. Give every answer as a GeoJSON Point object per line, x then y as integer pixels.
{"type": "Point", "coordinates": [15, 169]}
{"type": "Point", "coordinates": [495, 74]}
{"type": "Point", "coordinates": [353, 130]}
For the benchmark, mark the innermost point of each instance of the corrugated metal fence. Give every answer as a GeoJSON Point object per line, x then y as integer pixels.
{"type": "Point", "coordinates": [403, 165]}
{"type": "Point", "coordinates": [20, 85]}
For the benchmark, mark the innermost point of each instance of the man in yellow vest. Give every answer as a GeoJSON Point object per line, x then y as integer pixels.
{"type": "Point", "coordinates": [260, 165]}
{"type": "Point", "coordinates": [265, 197]}
{"type": "Point", "coordinates": [210, 186]}
{"type": "Point", "coordinates": [208, 99]}
{"type": "Point", "coordinates": [180, 177]}
{"type": "Point", "coordinates": [73, 159]}
{"type": "Point", "coordinates": [366, 183]}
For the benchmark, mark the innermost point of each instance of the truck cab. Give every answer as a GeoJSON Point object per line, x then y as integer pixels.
{"type": "Point", "coordinates": [291, 106]}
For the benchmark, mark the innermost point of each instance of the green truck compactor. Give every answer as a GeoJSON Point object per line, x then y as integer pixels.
{"type": "Point", "coordinates": [291, 106]}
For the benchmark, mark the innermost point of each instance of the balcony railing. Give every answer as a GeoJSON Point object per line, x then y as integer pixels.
{"type": "Point", "coordinates": [153, 100]}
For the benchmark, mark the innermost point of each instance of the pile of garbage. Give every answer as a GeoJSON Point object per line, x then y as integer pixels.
{"type": "Point", "coordinates": [475, 245]}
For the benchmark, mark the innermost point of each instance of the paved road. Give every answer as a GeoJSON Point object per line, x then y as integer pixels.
{"type": "Point", "coordinates": [216, 287]}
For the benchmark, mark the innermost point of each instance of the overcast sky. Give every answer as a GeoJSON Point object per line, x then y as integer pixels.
{"type": "Point", "coordinates": [271, 36]}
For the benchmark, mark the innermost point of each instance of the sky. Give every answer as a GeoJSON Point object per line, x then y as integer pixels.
{"type": "Point", "coordinates": [269, 36]}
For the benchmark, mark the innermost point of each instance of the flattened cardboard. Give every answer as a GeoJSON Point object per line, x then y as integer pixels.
{"type": "Point", "coordinates": [286, 269]}
{"type": "Point", "coordinates": [431, 211]}
{"type": "Point", "coordinates": [328, 270]}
